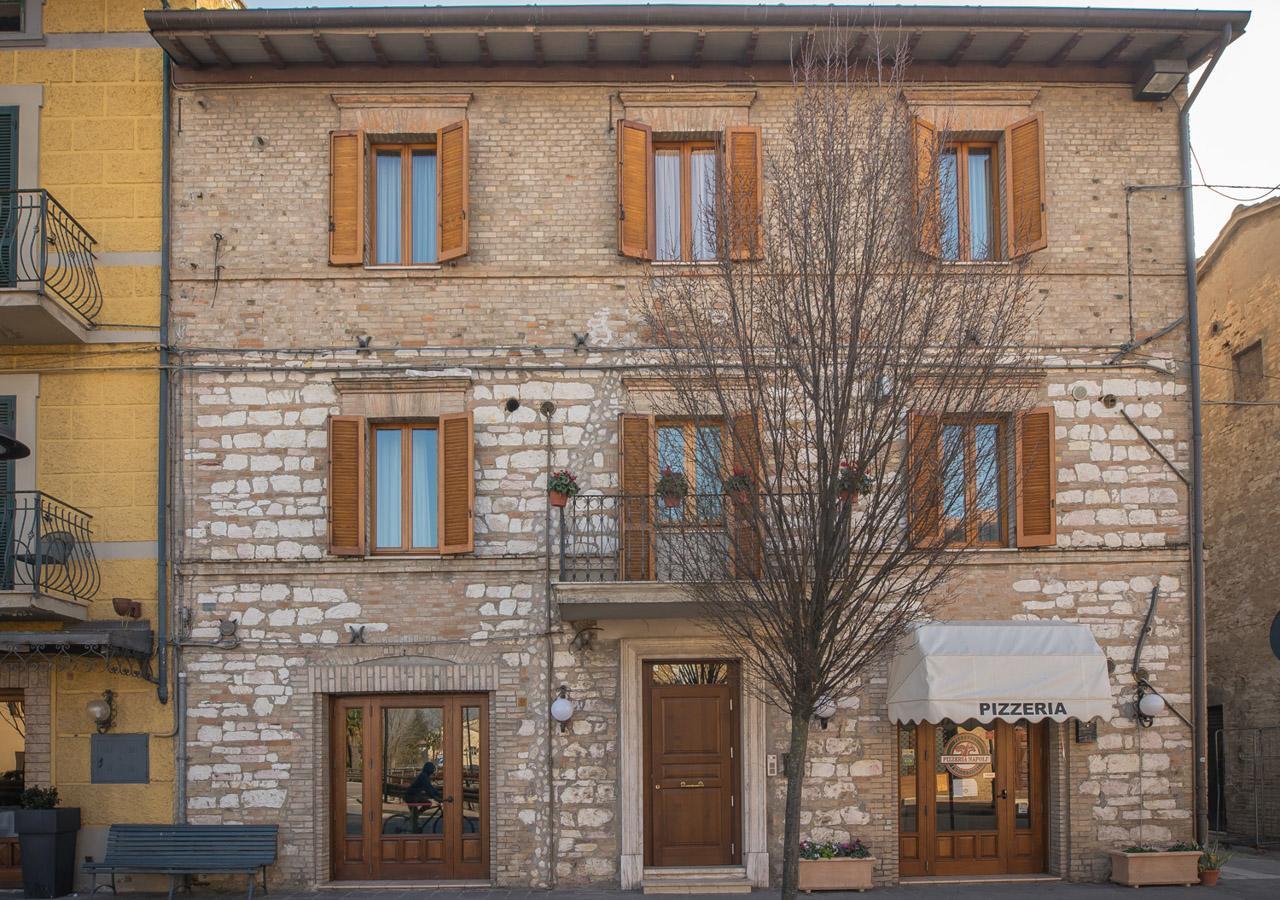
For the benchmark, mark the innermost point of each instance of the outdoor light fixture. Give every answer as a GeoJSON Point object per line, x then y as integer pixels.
{"type": "Point", "coordinates": [825, 709]}
{"type": "Point", "coordinates": [562, 708]}
{"type": "Point", "coordinates": [1159, 79]}
{"type": "Point", "coordinates": [1149, 705]}
{"type": "Point", "coordinates": [11, 447]}
{"type": "Point", "coordinates": [102, 711]}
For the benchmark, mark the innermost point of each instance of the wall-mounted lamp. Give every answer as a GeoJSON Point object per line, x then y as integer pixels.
{"type": "Point", "coordinates": [562, 708]}
{"type": "Point", "coordinates": [1159, 79]}
{"type": "Point", "coordinates": [102, 711]}
{"type": "Point", "coordinates": [825, 709]}
{"type": "Point", "coordinates": [1149, 705]}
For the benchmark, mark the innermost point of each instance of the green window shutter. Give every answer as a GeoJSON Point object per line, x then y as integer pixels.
{"type": "Point", "coordinates": [9, 421]}
{"type": "Point", "coordinates": [8, 201]}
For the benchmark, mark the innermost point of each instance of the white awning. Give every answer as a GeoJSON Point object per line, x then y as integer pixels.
{"type": "Point", "coordinates": [999, 670]}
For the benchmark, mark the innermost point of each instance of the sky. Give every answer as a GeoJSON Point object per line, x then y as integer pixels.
{"type": "Point", "coordinates": [1233, 136]}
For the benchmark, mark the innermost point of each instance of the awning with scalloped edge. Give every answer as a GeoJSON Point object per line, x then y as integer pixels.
{"type": "Point", "coordinates": [999, 670]}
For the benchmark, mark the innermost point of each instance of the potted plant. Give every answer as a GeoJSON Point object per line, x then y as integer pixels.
{"type": "Point", "coordinates": [47, 839]}
{"type": "Point", "coordinates": [1143, 864]}
{"type": "Point", "coordinates": [852, 481]}
{"type": "Point", "coordinates": [561, 488]}
{"type": "Point", "coordinates": [672, 487]}
{"type": "Point", "coordinates": [738, 486]}
{"type": "Point", "coordinates": [1212, 859]}
{"type": "Point", "coordinates": [830, 866]}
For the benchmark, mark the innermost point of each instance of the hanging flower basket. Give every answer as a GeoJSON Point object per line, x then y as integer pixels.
{"type": "Point", "coordinates": [852, 481]}
{"type": "Point", "coordinates": [561, 488]}
{"type": "Point", "coordinates": [738, 487]}
{"type": "Point", "coordinates": [672, 487]}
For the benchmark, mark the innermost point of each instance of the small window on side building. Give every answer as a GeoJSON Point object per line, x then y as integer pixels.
{"type": "Point", "coordinates": [1249, 380]}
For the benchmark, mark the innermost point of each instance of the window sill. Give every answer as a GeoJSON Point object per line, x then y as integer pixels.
{"type": "Point", "coordinates": [428, 267]}
{"type": "Point", "coordinates": [22, 39]}
{"type": "Point", "coordinates": [685, 264]}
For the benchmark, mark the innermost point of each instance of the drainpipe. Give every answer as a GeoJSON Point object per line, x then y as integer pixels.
{"type": "Point", "coordinates": [162, 433]}
{"type": "Point", "coordinates": [1199, 692]}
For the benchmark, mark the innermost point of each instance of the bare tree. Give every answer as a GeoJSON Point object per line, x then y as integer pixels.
{"type": "Point", "coordinates": [865, 378]}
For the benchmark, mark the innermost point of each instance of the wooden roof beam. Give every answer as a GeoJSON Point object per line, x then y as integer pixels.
{"type": "Point", "coordinates": [375, 44]}
{"type": "Point", "coordinates": [539, 58]}
{"type": "Point", "coordinates": [433, 55]}
{"type": "Point", "coordinates": [1114, 53]}
{"type": "Point", "coordinates": [269, 48]}
{"type": "Point", "coordinates": [698, 43]}
{"type": "Point", "coordinates": [593, 49]}
{"type": "Point", "coordinates": [1060, 56]}
{"type": "Point", "coordinates": [326, 52]}
{"type": "Point", "coordinates": [1175, 49]}
{"type": "Point", "coordinates": [216, 49]}
{"type": "Point", "coordinates": [855, 49]}
{"type": "Point", "coordinates": [957, 55]}
{"type": "Point", "coordinates": [1012, 50]}
{"type": "Point", "coordinates": [645, 37]}
{"type": "Point", "coordinates": [486, 58]}
{"type": "Point", "coordinates": [749, 51]}
{"type": "Point", "coordinates": [180, 49]}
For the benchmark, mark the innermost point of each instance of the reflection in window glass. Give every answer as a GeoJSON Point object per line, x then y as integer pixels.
{"type": "Point", "coordinates": [690, 673]}
{"type": "Point", "coordinates": [909, 808]}
{"type": "Point", "coordinates": [965, 776]}
{"type": "Point", "coordinates": [1022, 776]}
{"type": "Point", "coordinates": [987, 500]}
{"type": "Point", "coordinates": [953, 482]}
{"type": "Point", "coordinates": [666, 177]}
{"type": "Point", "coordinates": [353, 766]}
{"type": "Point", "coordinates": [708, 465]}
{"type": "Point", "coordinates": [949, 200]}
{"type": "Point", "coordinates": [11, 15]}
{"type": "Point", "coordinates": [471, 774]}
{"type": "Point", "coordinates": [979, 165]}
{"type": "Point", "coordinates": [413, 769]}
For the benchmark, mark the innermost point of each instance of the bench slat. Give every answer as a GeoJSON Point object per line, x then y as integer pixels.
{"type": "Point", "coordinates": [187, 849]}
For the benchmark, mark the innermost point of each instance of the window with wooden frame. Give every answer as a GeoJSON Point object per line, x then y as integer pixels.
{"type": "Point", "coordinates": [402, 204]}
{"type": "Point", "coordinates": [1248, 374]}
{"type": "Point", "coordinates": [668, 191]}
{"type": "Point", "coordinates": [415, 496]}
{"type": "Point", "coordinates": [969, 202]}
{"type": "Point", "coordinates": [959, 480]}
{"type": "Point", "coordinates": [695, 448]}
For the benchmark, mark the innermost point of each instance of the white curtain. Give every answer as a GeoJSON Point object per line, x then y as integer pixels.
{"type": "Point", "coordinates": [387, 499]}
{"type": "Point", "coordinates": [980, 204]}
{"type": "Point", "coordinates": [425, 487]}
{"type": "Point", "coordinates": [424, 208]}
{"type": "Point", "coordinates": [387, 250]}
{"type": "Point", "coordinates": [666, 174]}
{"type": "Point", "coordinates": [702, 175]}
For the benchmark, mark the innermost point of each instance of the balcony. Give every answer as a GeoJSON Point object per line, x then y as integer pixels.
{"type": "Point", "coordinates": [627, 555]}
{"type": "Point", "coordinates": [48, 571]}
{"type": "Point", "coordinates": [49, 291]}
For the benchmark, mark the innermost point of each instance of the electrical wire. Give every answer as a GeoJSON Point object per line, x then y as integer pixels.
{"type": "Point", "coordinates": [1267, 191]}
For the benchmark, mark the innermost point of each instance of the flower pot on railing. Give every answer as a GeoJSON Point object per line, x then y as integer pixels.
{"type": "Point", "coordinates": [562, 486]}
{"type": "Point", "coordinates": [672, 487]}
{"type": "Point", "coordinates": [852, 481]}
{"type": "Point", "coordinates": [826, 866]}
{"type": "Point", "coordinates": [738, 487]}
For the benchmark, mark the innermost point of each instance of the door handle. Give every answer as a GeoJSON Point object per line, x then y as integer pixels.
{"type": "Point", "coordinates": [692, 784]}
{"type": "Point", "coordinates": [1004, 795]}
{"type": "Point", "coordinates": [448, 799]}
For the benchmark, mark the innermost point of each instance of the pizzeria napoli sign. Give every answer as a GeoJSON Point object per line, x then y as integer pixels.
{"type": "Point", "coordinates": [965, 755]}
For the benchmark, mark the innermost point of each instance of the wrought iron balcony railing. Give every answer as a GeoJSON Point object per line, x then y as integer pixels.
{"type": "Point", "coordinates": [44, 249]}
{"type": "Point", "coordinates": [613, 537]}
{"type": "Point", "coordinates": [46, 547]}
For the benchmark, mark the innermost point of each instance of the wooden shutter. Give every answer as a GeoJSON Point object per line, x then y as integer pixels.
{"type": "Point", "coordinates": [346, 485]}
{"type": "Point", "coordinates": [8, 201]}
{"type": "Point", "coordinates": [745, 164]}
{"type": "Point", "coordinates": [457, 483]}
{"type": "Point", "coordinates": [453, 202]}
{"type": "Point", "coordinates": [1024, 185]}
{"type": "Point", "coordinates": [1036, 479]}
{"type": "Point", "coordinates": [636, 222]}
{"type": "Point", "coordinates": [924, 487]}
{"type": "Point", "coordinates": [928, 202]}
{"type": "Point", "coordinates": [346, 198]}
{"type": "Point", "coordinates": [637, 451]}
{"type": "Point", "coordinates": [747, 543]}
{"type": "Point", "coordinates": [8, 511]}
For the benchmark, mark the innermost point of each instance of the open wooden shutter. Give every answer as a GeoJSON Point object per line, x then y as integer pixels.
{"type": "Point", "coordinates": [636, 223]}
{"type": "Point", "coordinates": [745, 164]}
{"type": "Point", "coordinates": [453, 202]}
{"type": "Point", "coordinates": [747, 543]}
{"type": "Point", "coordinates": [346, 198]}
{"type": "Point", "coordinates": [924, 487]}
{"type": "Point", "coordinates": [928, 202]}
{"type": "Point", "coordinates": [1036, 479]}
{"type": "Point", "coordinates": [637, 451]}
{"type": "Point", "coordinates": [8, 201]}
{"type": "Point", "coordinates": [1024, 186]}
{"type": "Point", "coordinates": [457, 483]}
{"type": "Point", "coordinates": [346, 485]}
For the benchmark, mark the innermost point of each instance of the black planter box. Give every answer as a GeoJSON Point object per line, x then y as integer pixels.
{"type": "Point", "coordinates": [48, 841]}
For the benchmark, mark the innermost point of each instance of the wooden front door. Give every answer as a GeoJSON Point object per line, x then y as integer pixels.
{"type": "Point", "coordinates": [972, 798]}
{"type": "Point", "coordinates": [691, 807]}
{"type": "Point", "coordinates": [410, 787]}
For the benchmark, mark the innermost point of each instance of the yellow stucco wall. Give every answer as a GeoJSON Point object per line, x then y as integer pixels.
{"type": "Point", "coordinates": [100, 156]}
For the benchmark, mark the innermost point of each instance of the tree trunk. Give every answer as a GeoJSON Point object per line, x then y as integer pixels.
{"type": "Point", "coordinates": [791, 823]}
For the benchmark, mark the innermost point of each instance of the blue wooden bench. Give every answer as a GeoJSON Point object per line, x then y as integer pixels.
{"type": "Point", "coordinates": [186, 850]}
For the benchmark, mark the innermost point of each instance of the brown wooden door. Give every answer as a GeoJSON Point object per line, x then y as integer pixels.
{"type": "Point", "coordinates": [410, 787]}
{"type": "Point", "coordinates": [971, 798]}
{"type": "Point", "coordinates": [691, 769]}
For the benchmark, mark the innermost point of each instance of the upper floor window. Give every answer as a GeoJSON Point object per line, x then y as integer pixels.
{"type": "Point", "coordinates": [668, 194]}
{"type": "Point", "coordinates": [403, 212]}
{"type": "Point", "coordinates": [684, 174]}
{"type": "Point", "coordinates": [974, 490]}
{"type": "Point", "coordinates": [695, 449]}
{"type": "Point", "coordinates": [12, 13]}
{"type": "Point", "coordinates": [1248, 375]}
{"type": "Point", "coordinates": [410, 199]}
{"type": "Point", "coordinates": [969, 198]}
{"type": "Point", "coordinates": [406, 493]}
{"type": "Point", "coordinates": [21, 21]}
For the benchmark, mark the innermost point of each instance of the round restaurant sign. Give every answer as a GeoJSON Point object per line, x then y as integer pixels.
{"type": "Point", "coordinates": [965, 755]}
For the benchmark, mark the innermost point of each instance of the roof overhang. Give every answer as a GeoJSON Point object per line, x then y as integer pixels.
{"type": "Point", "coordinates": [999, 670]}
{"type": "Point", "coordinates": [672, 42]}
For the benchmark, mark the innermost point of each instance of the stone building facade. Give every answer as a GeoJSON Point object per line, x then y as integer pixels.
{"type": "Point", "coordinates": [296, 658]}
{"type": "Point", "coordinates": [1238, 279]}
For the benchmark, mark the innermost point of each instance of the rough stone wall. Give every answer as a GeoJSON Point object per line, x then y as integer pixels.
{"type": "Point", "coordinates": [1238, 290]}
{"type": "Point", "coordinates": [543, 266]}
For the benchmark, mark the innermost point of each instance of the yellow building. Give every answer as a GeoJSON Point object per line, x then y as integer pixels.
{"type": "Point", "coordinates": [81, 236]}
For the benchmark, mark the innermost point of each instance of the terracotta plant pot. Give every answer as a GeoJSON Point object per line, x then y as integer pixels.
{"type": "Point", "coordinates": [558, 499]}
{"type": "Point", "coordinates": [1209, 877]}
{"type": "Point", "coordinates": [843, 874]}
{"type": "Point", "coordinates": [672, 500]}
{"type": "Point", "coordinates": [849, 496]}
{"type": "Point", "coordinates": [1163, 867]}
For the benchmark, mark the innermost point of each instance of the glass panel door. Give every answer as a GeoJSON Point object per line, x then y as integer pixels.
{"type": "Point", "coordinates": [965, 775]}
